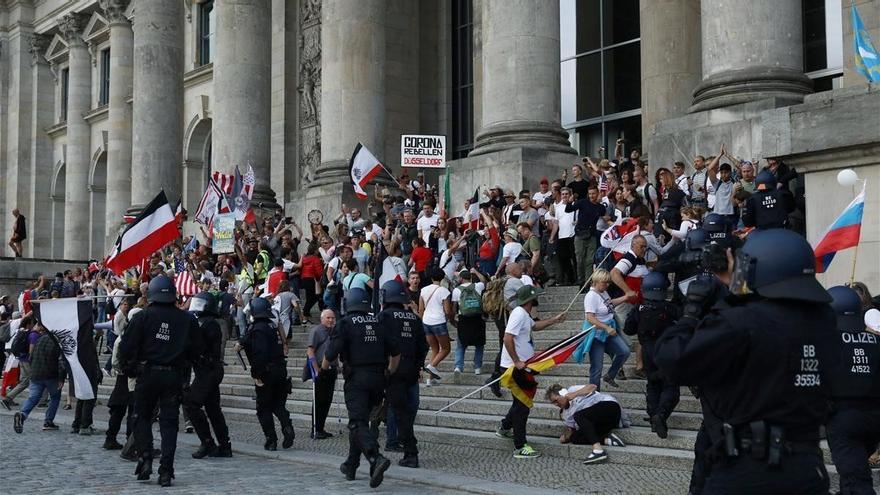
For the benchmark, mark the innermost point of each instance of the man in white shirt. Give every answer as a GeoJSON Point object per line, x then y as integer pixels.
{"type": "Point", "coordinates": [517, 350]}
{"type": "Point", "coordinates": [539, 197]}
{"type": "Point", "coordinates": [427, 222]}
{"type": "Point", "coordinates": [627, 275]}
{"type": "Point", "coordinates": [563, 235]}
{"type": "Point", "coordinates": [511, 250]}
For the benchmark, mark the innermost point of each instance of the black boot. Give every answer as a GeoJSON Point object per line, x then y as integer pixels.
{"type": "Point", "coordinates": [348, 470]}
{"type": "Point", "coordinates": [144, 468]}
{"type": "Point", "coordinates": [409, 460]}
{"type": "Point", "coordinates": [165, 476]}
{"type": "Point", "coordinates": [378, 465]}
{"type": "Point", "coordinates": [658, 424]}
{"type": "Point", "coordinates": [110, 443]}
{"type": "Point", "coordinates": [128, 450]}
{"type": "Point", "coordinates": [289, 435]}
{"type": "Point", "coordinates": [205, 449]}
{"type": "Point", "coordinates": [224, 450]}
{"type": "Point", "coordinates": [271, 445]}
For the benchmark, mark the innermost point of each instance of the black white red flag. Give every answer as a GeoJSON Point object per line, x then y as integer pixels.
{"type": "Point", "coordinates": [363, 167]}
{"type": "Point", "coordinates": [70, 321]}
{"type": "Point", "coordinates": [150, 231]}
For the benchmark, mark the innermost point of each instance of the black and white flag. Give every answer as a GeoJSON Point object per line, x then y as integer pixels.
{"type": "Point", "coordinates": [70, 320]}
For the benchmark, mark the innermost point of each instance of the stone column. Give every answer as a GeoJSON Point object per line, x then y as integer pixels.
{"type": "Point", "coordinates": [353, 104]}
{"type": "Point", "coordinates": [240, 133]}
{"type": "Point", "coordinates": [76, 197]}
{"type": "Point", "coordinates": [671, 58]}
{"type": "Point", "coordinates": [521, 81]}
{"type": "Point", "coordinates": [119, 117]}
{"type": "Point", "coordinates": [157, 113]}
{"type": "Point", "coordinates": [42, 164]}
{"type": "Point", "coordinates": [752, 50]}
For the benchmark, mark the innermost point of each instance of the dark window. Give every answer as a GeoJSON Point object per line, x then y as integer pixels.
{"type": "Point", "coordinates": [815, 49]}
{"type": "Point", "coordinates": [622, 79]}
{"type": "Point", "coordinates": [65, 78]}
{"type": "Point", "coordinates": [206, 32]}
{"type": "Point", "coordinates": [462, 78]}
{"type": "Point", "coordinates": [104, 92]}
{"type": "Point", "coordinates": [589, 86]}
{"type": "Point", "coordinates": [589, 31]}
{"type": "Point", "coordinates": [620, 21]}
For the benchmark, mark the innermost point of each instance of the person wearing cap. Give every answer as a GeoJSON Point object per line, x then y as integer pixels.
{"type": "Point", "coordinates": [542, 194]}
{"type": "Point", "coordinates": [761, 358]}
{"type": "Point", "coordinates": [496, 198]}
{"type": "Point", "coordinates": [508, 213]}
{"type": "Point", "coordinates": [511, 250]}
{"type": "Point", "coordinates": [589, 417]}
{"type": "Point", "coordinates": [517, 349]}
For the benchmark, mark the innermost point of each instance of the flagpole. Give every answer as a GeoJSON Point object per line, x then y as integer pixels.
{"type": "Point", "coordinates": [852, 277]}
{"type": "Point", "coordinates": [388, 172]}
{"type": "Point", "coordinates": [447, 406]}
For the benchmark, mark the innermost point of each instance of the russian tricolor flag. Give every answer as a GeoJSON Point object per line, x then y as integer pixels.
{"type": "Point", "coordinates": [843, 233]}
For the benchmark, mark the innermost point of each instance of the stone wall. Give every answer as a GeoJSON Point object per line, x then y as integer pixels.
{"type": "Point", "coordinates": [14, 274]}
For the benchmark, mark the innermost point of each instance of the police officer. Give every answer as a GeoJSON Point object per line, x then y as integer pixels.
{"type": "Point", "coordinates": [368, 354]}
{"type": "Point", "coordinates": [761, 358]}
{"type": "Point", "coordinates": [405, 327]}
{"type": "Point", "coordinates": [205, 389]}
{"type": "Point", "coordinates": [768, 207]}
{"type": "Point", "coordinates": [158, 342]}
{"type": "Point", "coordinates": [852, 429]}
{"type": "Point", "coordinates": [653, 317]}
{"type": "Point", "coordinates": [266, 350]}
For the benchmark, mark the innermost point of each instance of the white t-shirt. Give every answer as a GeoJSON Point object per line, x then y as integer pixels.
{"type": "Point", "coordinates": [582, 402]}
{"type": "Point", "coordinates": [424, 226]}
{"type": "Point", "coordinates": [519, 324]}
{"type": "Point", "coordinates": [511, 251]}
{"type": "Point", "coordinates": [565, 219]}
{"type": "Point", "coordinates": [434, 295]}
{"type": "Point", "coordinates": [527, 280]}
{"type": "Point", "coordinates": [599, 303]}
{"type": "Point", "coordinates": [117, 300]}
{"type": "Point", "coordinates": [624, 265]}
{"type": "Point", "coordinates": [539, 198]}
{"type": "Point", "coordinates": [456, 293]}
{"type": "Point", "coordinates": [449, 264]}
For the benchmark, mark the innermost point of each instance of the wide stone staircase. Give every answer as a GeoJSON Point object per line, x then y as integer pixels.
{"type": "Point", "coordinates": [472, 422]}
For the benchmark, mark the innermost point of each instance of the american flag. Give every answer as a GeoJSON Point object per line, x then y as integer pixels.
{"type": "Point", "coordinates": [185, 285]}
{"type": "Point", "coordinates": [179, 265]}
{"type": "Point", "coordinates": [225, 181]}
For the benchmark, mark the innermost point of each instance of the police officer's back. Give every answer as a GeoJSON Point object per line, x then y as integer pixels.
{"type": "Point", "coordinates": [761, 361]}
{"type": "Point", "coordinates": [768, 207]}
{"type": "Point", "coordinates": [365, 350]}
{"type": "Point", "coordinates": [853, 428]}
{"type": "Point", "coordinates": [158, 343]}
{"type": "Point", "coordinates": [405, 327]}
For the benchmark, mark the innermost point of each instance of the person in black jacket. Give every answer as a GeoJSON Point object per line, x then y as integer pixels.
{"type": "Point", "coordinates": [158, 343]}
{"type": "Point", "coordinates": [204, 393]}
{"type": "Point", "coordinates": [47, 374]}
{"type": "Point", "coordinates": [266, 350]}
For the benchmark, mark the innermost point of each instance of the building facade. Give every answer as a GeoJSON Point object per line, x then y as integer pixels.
{"type": "Point", "coordinates": [104, 102]}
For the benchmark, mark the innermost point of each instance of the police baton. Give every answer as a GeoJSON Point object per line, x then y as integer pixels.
{"type": "Point", "coordinates": [241, 360]}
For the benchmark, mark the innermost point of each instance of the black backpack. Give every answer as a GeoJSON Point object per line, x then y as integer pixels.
{"type": "Point", "coordinates": [20, 347]}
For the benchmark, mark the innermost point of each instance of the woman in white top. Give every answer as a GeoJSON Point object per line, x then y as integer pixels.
{"type": "Point", "coordinates": [690, 220]}
{"type": "Point", "coordinates": [434, 306]}
{"type": "Point", "coordinates": [589, 417]}
{"type": "Point", "coordinates": [393, 266]}
{"type": "Point", "coordinates": [599, 313]}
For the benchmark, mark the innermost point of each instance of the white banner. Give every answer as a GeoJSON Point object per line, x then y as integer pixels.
{"type": "Point", "coordinates": [422, 151]}
{"type": "Point", "coordinates": [63, 318]}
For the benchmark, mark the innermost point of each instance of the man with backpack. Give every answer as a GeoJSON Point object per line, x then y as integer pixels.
{"type": "Point", "coordinates": [47, 372]}
{"type": "Point", "coordinates": [467, 306]}
{"type": "Point", "coordinates": [22, 344]}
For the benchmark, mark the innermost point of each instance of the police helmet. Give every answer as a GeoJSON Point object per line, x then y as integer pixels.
{"type": "Point", "coordinates": [161, 290]}
{"type": "Point", "coordinates": [777, 264]}
{"type": "Point", "coordinates": [204, 303]}
{"type": "Point", "coordinates": [695, 239]}
{"type": "Point", "coordinates": [714, 223]}
{"type": "Point", "coordinates": [848, 307]}
{"type": "Point", "coordinates": [356, 300]}
{"type": "Point", "coordinates": [394, 292]}
{"type": "Point", "coordinates": [260, 308]}
{"type": "Point", "coordinates": [765, 181]}
{"type": "Point", "coordinates": [654, 286]}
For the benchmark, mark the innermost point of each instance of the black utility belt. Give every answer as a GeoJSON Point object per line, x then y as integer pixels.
{"type": "Point", "coordinates": [763, 441]}
{"type": "Point", "coordinates": [377, 368]}
{"type": "Point", "coordinates": [161, 367]}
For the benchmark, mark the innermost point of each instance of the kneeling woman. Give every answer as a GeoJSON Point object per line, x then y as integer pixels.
{"type": "Point", "coordinates": [589, 417]}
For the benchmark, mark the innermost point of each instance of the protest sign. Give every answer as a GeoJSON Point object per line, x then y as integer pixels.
{"type": "Point", "coordinates": [422, 151]}
{"type": "Point", "coordinates": [224, 233]}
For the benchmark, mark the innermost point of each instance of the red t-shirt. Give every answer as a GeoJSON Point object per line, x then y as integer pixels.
{"type": "Point", "coordinates": [489, 248]}
{"type": "Point", "coordinates": [275, 279]}
{"type": "Point", "coordinates": [311, 266]}
{"type": "Point", "coordinates": [420, 258]}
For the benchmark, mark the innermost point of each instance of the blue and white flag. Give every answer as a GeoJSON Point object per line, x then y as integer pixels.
{"type": "Point", "coordinates": [867, 59]}
{"type": "Point", "coordinates": [70, 320]}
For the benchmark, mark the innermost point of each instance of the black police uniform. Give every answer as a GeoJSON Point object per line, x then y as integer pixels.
{"type": "Point", "coordinates": [661, 393]}
{"type": "Point", "coordinates": [768, 209]}
{"type": "Point", "coordinates": [760, 365]}
{"type": "Point", "coordinates": [158, 342]}
{"type": "Point", "coordinates": [364, 350]}
{"type": "Point", "coordinates": [204, 392]}
{"type": "Point", "coordinates": [406, 329]}
{"type": "Point", "coordinates": [265, 350]}
{"type": "Point", "coordinates": [853, 428]}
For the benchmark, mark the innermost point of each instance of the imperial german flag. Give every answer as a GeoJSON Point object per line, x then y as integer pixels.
{"type": "Point", "coordinates": [558, 353]}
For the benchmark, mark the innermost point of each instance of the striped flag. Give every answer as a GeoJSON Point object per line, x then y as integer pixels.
{"type": "Point", "coordinates": [362, 168]}
{"type": "Point", "coordinates": [242, 193]}
{"type": "Point", "coordinates": [224, 181]}
{"type": "Point", "coordinates": [558, 353]}
{"type": "Point", "coordinates": [185, 284]}
{"type": "Point", "coordinates": [844, 233]}
{"type": "Point", "coordinates": [179, 265]}
{"type": "Point", "coordinates": [213, 201]}
{"type": "Point", "coordinates": [154, 228]}
{"type": "Point", "coordinates": [70, 321]}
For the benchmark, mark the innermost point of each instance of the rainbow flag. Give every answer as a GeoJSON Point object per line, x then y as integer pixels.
{"type": "Point", "coordinates": [558, 353]}
{"type": "Point", "coordinates": [843, 233]}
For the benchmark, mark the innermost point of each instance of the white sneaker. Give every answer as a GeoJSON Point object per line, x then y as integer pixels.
{"type": "Point", "coordinates": [428, 382]}
{"type": "Point", "coordinates": [478, 371]}
{"type": "Point", "coordinates": [456, 371]}
{"type": "Point", "coordinates": [435, 373]}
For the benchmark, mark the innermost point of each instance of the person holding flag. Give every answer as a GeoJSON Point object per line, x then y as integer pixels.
{"type": "Point", "coordinates": [518, 348]}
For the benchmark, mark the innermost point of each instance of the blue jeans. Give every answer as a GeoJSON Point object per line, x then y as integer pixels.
{"type": "Point", "coordinates": [613, 346]}
{"type": "Point", "coordinates": [391, 420]}
{"type": "Point", "coordinates": [459, 356]}
{"type": "Point", "coordinates": [35, 391]}
{"type": "Point", "coordinates": [436, 330]}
